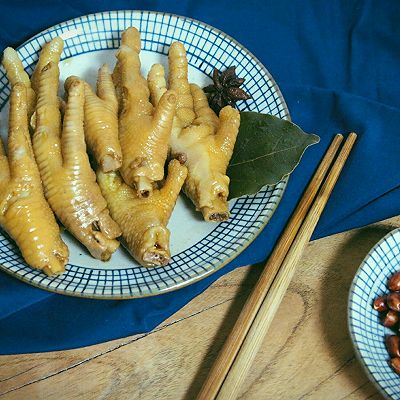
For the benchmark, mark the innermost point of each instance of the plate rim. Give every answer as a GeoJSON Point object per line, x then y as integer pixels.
{"type": "Point", "coordinates": [195, 279]}
{"type": "Point", "coordinates": [352, 334]}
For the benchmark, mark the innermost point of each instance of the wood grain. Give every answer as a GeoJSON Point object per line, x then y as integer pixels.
{"type": "Point", "coordinates": [229, 352]}
{"type": "Point", "coordinates": [307, 353]}
{"type": "Point", "coordinates": [277, 286]}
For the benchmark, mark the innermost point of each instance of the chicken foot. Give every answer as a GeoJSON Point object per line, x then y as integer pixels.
{"type": "Point", "coordinates": [69, 182]}
{"type": "Point", "coordinates": [24, 212]}
{"type": "Point", "coordinates": [143, 220]}
{"type": "Point", "coordinates": [144, 130]}
{"type": "Point", "coordinates": [101, 120]}
{"type": "Point", "coordinates": [200, 139]}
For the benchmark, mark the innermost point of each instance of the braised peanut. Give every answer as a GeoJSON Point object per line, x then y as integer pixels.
{"type": "Point", "coordinates": [393, 345]}
{"type": "Point", "coordinates": [395, 364]}
{"type": "Point", "coordinates": [394, 282]}
{"type": "Point", "coordinates": [389, 308]}
{"type": "Point", "coordinates": [393, 301]}
{"type": "Point", "coordinates": [380, 304]}
{"type": "Point", "coordinates": [391, 318]}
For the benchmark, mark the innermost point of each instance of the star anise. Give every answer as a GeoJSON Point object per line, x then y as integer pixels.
{"type": "Point", "coordinates": [225, 90]}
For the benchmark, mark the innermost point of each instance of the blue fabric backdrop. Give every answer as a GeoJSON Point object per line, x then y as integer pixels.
{"type": "Point", "coordinates": [336, 64]}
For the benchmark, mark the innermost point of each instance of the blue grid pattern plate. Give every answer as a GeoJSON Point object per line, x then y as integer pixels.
{"type": "Point", "coordinates": [198, 248]}
{"type": "Point", "coordinates": [367, 332]}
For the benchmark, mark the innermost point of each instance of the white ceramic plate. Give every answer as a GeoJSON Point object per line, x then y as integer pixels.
{"type": "Point", "coordinates": [366, 330]}
{"type": "Point", "coordinates": [198, 248]}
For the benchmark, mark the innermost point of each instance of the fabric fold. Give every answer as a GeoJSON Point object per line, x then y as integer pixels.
{"type": "Point", "coordinates": [336, 65]}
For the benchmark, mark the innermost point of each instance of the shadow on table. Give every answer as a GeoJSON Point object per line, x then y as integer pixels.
{"type": "Point", "coordinates": [333, 306]}
{"type": "Point", "coordinates": [224, 329]}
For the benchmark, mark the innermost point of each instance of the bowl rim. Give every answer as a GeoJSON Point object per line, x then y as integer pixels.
{"type": "Point", "coordinates": [354, 341]}
{"type": "Point", "coordinates": [264, 219]}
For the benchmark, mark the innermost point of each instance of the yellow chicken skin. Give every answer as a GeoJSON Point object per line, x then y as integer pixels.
{"type": "Point", "coordinates": [144, 131]}
{"type": "Point", "coordinates": [69, 182]}
{"type": "Point", "coordinates": [16, 74]}
{"type": "Point", "coordinates": [143, 221]}
{"type": "Point", "coordinates": [101, 120]}
{"type": "Point", "coordinates": [51, 51]}
{"type": "Point", "coordinates": [200, 139]}
{"type": "Point", "coordinates": [24, 212]}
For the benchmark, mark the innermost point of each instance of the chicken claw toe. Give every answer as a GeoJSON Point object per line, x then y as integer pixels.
{"type": "Point", "coordinates": [143, 220]}
{"type": "Point", "coordinates": [16, 74]}
{"type": "Point", "coordinates": [154, 247]}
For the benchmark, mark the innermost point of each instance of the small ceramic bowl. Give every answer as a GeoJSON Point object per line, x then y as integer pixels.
{"type": "Point", "coordinates": [366, 329]}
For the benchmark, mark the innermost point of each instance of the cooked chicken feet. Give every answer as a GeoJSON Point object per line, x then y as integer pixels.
{"type": "Point", "coordinates": [144, 131]}
{"type": "Point", "coordinates": [24, 212]}
{"type": "Point", "coordinates": [101, 120]}
{"type": "Point", "coordinates": [199, 138]}
{"type": "Point", "coordinates": [69, 182]}
{"type": "Point", "coordinates": [143, 220]}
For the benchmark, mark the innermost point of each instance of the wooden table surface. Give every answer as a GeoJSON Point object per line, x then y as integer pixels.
{"type": "Point", "coordinates": [307, 354]}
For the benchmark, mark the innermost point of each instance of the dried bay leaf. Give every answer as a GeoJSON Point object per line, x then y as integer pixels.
{"type": "Point", "coordinates": [267, 149]}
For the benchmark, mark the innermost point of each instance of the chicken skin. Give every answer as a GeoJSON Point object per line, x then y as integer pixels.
{"type": "Point", "coordinates": [144, 130]}
{"type": "Point", "coordinates": [200, 139]}
{"type": "Point", "coordinates": [101, 120]}
{"type": "Point", "coordinates": [16, 74]}
{"type": "Point", "coordinates": [51, 51]}
{"type": "Point", "coordinates": [69, 182]}
{"type": "Point", "coordinates": [143, 220]}
{"type": "Point", "coordinates": [24, 212]}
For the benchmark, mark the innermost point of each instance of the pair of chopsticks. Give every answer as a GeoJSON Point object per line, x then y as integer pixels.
{"type": "Point", "coordinates": [238, 353]}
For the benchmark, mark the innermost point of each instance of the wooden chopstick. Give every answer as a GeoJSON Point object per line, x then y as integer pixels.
{"type": "Point", "coordinates": [226, 357]}
{"type": "Point", "coordinates": [254, 338]}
